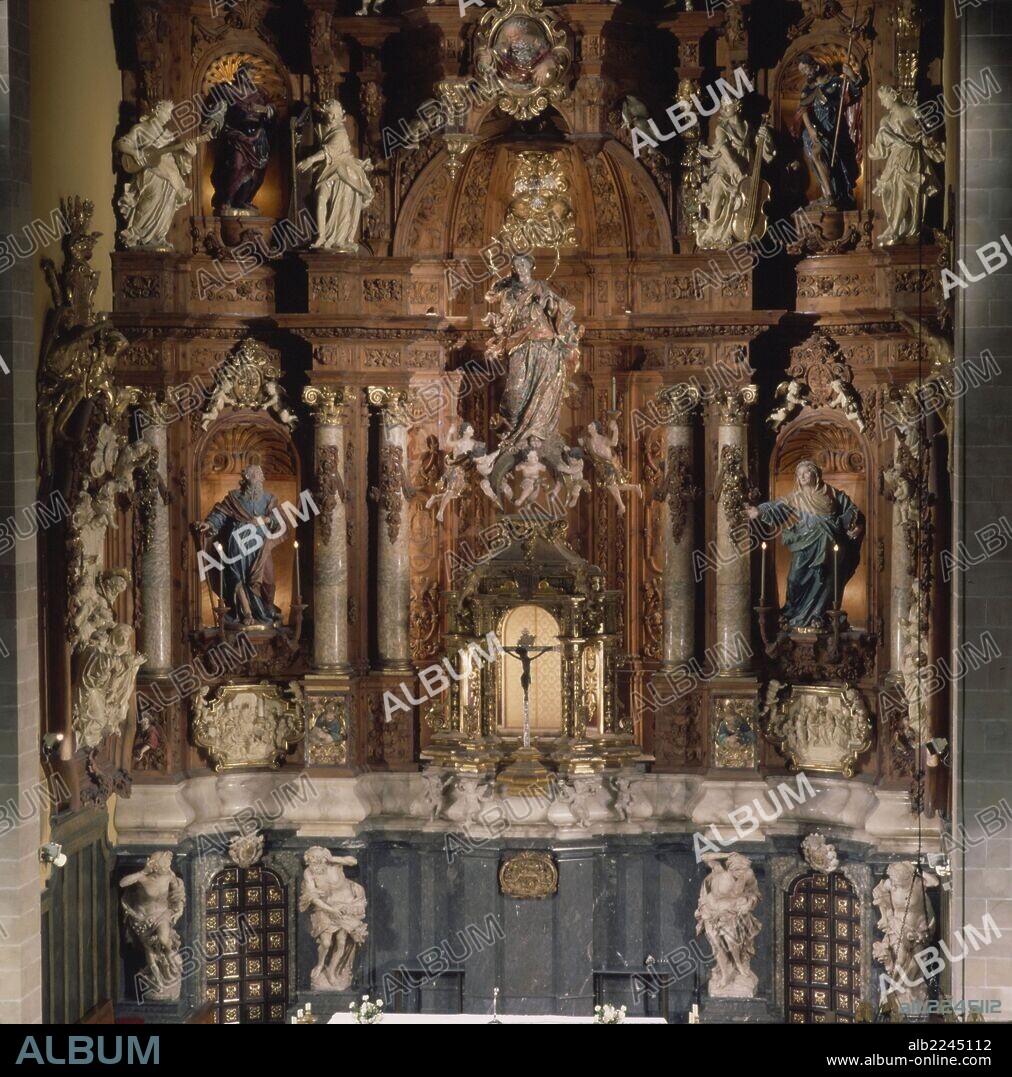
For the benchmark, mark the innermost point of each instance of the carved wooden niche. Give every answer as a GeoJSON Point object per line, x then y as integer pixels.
{"type": "Point", "coordinates": [841, 452]}
{"type": "Point", "coordinates": [237, 441]}
{"type": "Point", "coordinates": [272, 80]}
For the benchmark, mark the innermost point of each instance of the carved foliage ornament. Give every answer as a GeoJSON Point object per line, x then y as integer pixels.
{"type": "Point", "coordinates": [521, 52]}
{"type": "Point", "coordinates": [248, 725]}
{"type": "Point", "coordinates": [529, 875]}
{"type": "Point", "coordinates": [677, 489]}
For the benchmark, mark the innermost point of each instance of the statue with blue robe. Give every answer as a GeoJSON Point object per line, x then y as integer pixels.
{"type": "Point", "coordinates": [828, 122]}
{"type": "Point", "coordinates": [813, 519]}
{"type": "Point", "coordinates": [243, 530]}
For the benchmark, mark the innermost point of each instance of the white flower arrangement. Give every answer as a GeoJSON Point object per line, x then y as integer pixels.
{"type": "Point", "coordinates": [366, 1012]}
{"type": "Point", "coordinates": [609, 1015]}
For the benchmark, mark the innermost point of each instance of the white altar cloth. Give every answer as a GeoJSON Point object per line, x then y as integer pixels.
{"type": "Point", "coordinates": [345, 1018]}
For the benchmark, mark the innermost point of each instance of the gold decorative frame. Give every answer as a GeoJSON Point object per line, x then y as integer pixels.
{"type": "Point", "coordinates": [529, 875]}
{"type": "Point", "coordinates": [525, 89]}
{"type": "Point", "coordinates": [234, 739]}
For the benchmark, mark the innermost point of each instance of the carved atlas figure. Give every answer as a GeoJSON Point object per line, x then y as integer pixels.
{"type": "Point", "coordinates": [337, 917]}
{"type": "Point", "coordinates": [814, 518]}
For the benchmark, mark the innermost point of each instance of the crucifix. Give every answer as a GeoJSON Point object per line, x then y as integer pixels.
{"type": "Point", "coordinates": [526, 653]}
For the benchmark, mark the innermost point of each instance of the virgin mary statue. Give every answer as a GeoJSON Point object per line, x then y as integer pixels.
{"type": "Point", "coordinates": [536, 333]}
{"type": "Point", "coordinates": [814, 518]}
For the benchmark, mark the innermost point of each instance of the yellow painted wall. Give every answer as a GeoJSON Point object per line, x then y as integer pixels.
{"type": "Point", "coordinates": [75, 92]}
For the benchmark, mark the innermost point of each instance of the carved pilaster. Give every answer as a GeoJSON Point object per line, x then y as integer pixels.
{"type": "Point", "coordinates": [156, 561]}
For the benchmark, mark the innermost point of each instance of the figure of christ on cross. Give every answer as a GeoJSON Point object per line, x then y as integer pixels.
{"type": "Point", "coordinates": [527, 653]}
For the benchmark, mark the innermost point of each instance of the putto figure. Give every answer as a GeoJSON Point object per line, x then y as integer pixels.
{"type": "Point", "coordinates": [600, 447]}
{"type": "Point", "coordinates": [833, 148]}
{"type": "Point", "coordinates": [247, 573]}
{"type": "Point", "coordinates": [814, 518]}
{"type": "Point", "coordinates": [153, 901]}
{"type": "Point", "coordinates": [158, 164]}
{"type": "Point", "coordinates": [337, 917]}
{"type": "Point", "coordinates": [341, 187]}
{"type": "Point", "coordinates": [907, 179]}
{"type": "Point", "coordinates": [727, 900]}
{"type": "Point", "coordinates": [239, 115]}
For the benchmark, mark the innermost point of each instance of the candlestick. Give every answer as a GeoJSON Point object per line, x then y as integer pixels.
{"type": "Point", "coordinates": [762, 577]}
{"type": "Point", "coordinates": [614, 395]}
{"type": "Point", "coordinates": [836, 576]}
{"type": "Point", "coordinates": [221, 575]}
{"type": "Point", "coordinates": [298, 582]}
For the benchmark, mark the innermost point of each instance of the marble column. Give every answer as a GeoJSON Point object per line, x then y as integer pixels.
{"type": "Point", "coordinates": [156, 561]}
{"type": "Point", "coordinates": [678, 644]}
{"type": "Point", "coordinates": [734, 591]}
{"type": "Point", "coordinates": [899, 568]}
{"type": "Point", "coordinates": [393, 587]}
{"type": "Point", "coordinates": [329, 405]}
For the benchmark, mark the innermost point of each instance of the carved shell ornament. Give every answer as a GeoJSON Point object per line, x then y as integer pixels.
{"type": "Point", "coordinates": [521, 52]}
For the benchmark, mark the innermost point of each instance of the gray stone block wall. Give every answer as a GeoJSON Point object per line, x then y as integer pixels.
{"type": "Point", "coordinates": [982, 756]}
{"type": "Point", "coordinates": [20, 940]}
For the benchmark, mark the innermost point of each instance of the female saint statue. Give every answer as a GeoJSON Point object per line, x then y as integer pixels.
{"type": "Point", "coordinates": [537, 335]}
{"type": "Point", "coordinates": [814, 518]}
{"type": "Point", "coordinates": [341, 188]}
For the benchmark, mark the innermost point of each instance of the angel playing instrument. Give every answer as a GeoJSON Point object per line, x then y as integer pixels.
{"type": "Point", "coordinates": [132, 164]}
{"type": "Point", "coordinates": [749, 222]}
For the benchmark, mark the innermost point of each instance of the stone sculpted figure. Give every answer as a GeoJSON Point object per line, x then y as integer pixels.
{"type": "Point", "coordinates": [727, 900]}
{"type": "Point", "coordinates": [337, 917]}
{"type": "Point", "coordinates": [152, 902]}
{"type": "Point", "coordinates": [239, 526]}
{"type": "Point", "coordinates": [907, 923]}
{"type": "Point", "coordinates": [158, 164]}
{"type": "Point", "coordinates": [907, 179]}
{"type": "Point", "coordinates": [814, 517]}
{"type": "Point", "coordinates": [833, 150]}
{"type": "Point", "coordinates": [341, 187]}
{"type": "Point", "coordinates": [731, 155]}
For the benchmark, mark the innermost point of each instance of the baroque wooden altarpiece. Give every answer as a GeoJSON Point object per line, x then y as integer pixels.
{"type": "Point", "coordinates": [383, 352]}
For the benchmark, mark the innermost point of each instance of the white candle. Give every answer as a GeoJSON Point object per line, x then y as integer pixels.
{"type": "Point", "coordinates": [221, 573]}
{"type": "Point", "coordinates": [309, 1007]}
{"type": "Point", "coordinates": [762, 577]}
{"type": "Point", "coordinates": [298, 582]}
{"type": "Point", "coordinates": [836, 579]}
{"type": "Point", "coordinates": [614, 395]}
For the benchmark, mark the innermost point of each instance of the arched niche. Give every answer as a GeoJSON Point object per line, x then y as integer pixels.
{"type": "Point", "coordinates": [842, 453]}
{"type": "Point", "coordinates": [236, 441]}
{"type": "Point", "coordinates": [829, 49]}
{"type": "Point", "coordinates": [546, 672]}
{"type": "Point", "coordinates": [617, 207]}
{"type": "Point", "coordinates": [271, 77]}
